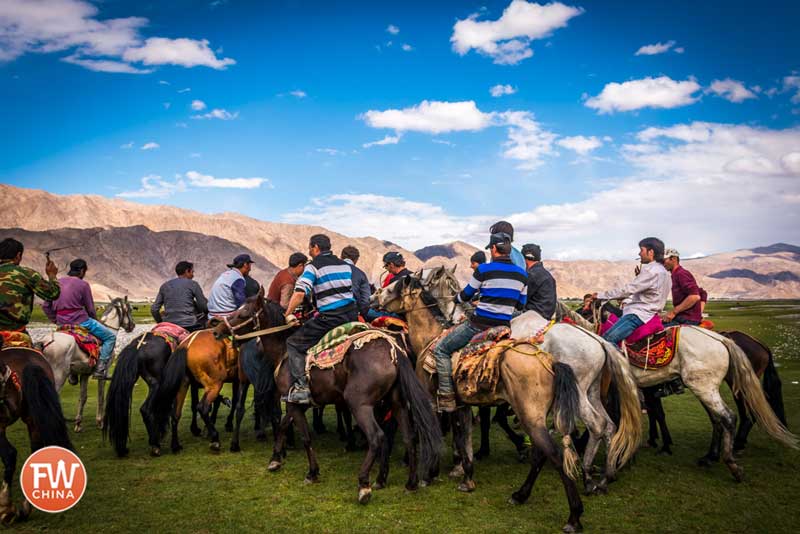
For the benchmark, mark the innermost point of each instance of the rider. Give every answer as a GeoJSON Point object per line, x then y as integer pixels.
{"type": "Point", "coordinates": [479, 258]}
{"type": "Point", "coordinates": [361, 290]}
{"type": "Point", "coordinates": [75, 305]}
{"type": "Point", "coordinates": [227, 293]}
{"type": "Point", "coordinates": [282, 286]}
{"type": "Point", "coordinates": [330, 281]}
{"type": "Point", "coordinates": [645, 296]}
{"type": "Point", "coordinates": [507, 228]}
{"type": "Point", "coordinates": [18, 285]}
{"type": "Point", "coordinates": [395, 263]}
{"type": "Point", "coordinates": [541, 284]}
{"type": "Point", "coordinates": [502, 290]}
{"type": "Point", "coordinates": [686, 294]}
{"type": "Point", "coordinates": [183, 300]}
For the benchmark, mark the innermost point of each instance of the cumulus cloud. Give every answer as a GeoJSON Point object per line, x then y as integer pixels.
{"type": "Point", "coordinates": [580, 144]}
{"type": "Point", "coordinates": [151, 145]}
{"type": "Point", "coordinates": [388, 140]}
{"type": "Point", "coordinates": [731, 90]}
{"type": "Point", "coordinates": [184, 90]}
{"type": "Point", "coordinates": [658, 48]}
{"type": "Point", "coordinates": [662, 92]}
{"type": "Point", "coordinates": [394, 30]}
{"type": "Point", "coordinates": [127, 146]}
{"type": "Point", "coordinates": [204, 180]}
{"type": "Point", "coordinates": [153, 186]}
{"type": "Point", "coordinates": [527, 141]}
{"type": "Point", "coordinates": [331, 151]}
{"type": "Point", "coordinates": [507, 40]}
{"type": "Point", "coordinates": [792, 83]}
{"type": "Point", "coordinates": [297, 93]}
{"type": "Point", "coordinates": [220, 114]}
{"type": "Point", "coordinates": [501, 90]}
{"type": "Point", "coordinates": [407, 47]}
{"type": "Point", "coordinates": [198, 105]}
{"type": "Point", "coordinates": [109, 45]}
{"type": "Point", "coordinates": [431, 117]}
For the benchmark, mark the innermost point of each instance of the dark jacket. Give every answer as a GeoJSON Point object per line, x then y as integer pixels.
{"type": "Point", "coordinates": [183, 301]}
{"type": "Point", "coordinates": [361, 289]}
{"type": "Point", "coordinates": [251, 286]}
{"type": "Point", "coordinates": [541, 291]}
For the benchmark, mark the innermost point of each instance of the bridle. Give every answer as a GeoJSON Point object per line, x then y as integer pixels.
{"type": "Point", "coordinates": [125, 319]}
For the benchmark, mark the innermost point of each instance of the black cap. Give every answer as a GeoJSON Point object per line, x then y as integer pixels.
{"type": "Point", "coordinates": [240, 260]}
{"type": "Point", "coordinates": [76, 266]}
{"type": "Point", "coordinates": [498, 238]}
{"type": "Point", "coordinates": [297, 258]}
{"type": "Point", "coordinates": [478, 257]}
{"type": "Point", "coordinates": [393, 257]}
{"type": "Point", "coordinates": [532, 252]}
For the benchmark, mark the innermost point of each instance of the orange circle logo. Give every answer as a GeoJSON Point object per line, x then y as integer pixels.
{"type": "Point", "coordinates": [53, 479]}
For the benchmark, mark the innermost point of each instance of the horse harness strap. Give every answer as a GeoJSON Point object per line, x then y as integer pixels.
{"type": "Point", "coordinates": [141, 341]}
{"type": "Point", "coordinates": [544, 358]}
{"type": "Point", "coordinates": [263, 332]}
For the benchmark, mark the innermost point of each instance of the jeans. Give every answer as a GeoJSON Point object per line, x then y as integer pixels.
{"type": "Point", "coordinates": [309, 335]}
{"type": "Point", "coordinates": [456, 339]}
{"type": "Point", "coordinates": [373, 314]}
{"type": "Point", "coordinates": [679, 321]}
{"type": "Point", "coordinates": [622, 328]}
{"type": "Point", "coordinates": [106, 336]}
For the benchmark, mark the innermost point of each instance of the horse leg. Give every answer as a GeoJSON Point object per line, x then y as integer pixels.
{"type": "Point", "coordinates": [298, 415]}
{"type": "Point", "coordinates": [485, 416]}
{"type": "Point", "coordinates": [193, 428]}
{"type": "Point", "coordinates": [410, 442]}
{"type": "Point", "coordinates": [240, 408]}
{"type": "Point", "coordinates": [390, 431]}
{"type": "Point", "coordinates": [650, 402]}
{"type": "Point", "coordinates": [319, 423]}
{"type": "Point", "coordinates": [84, 393]}
{"type": "Point", "coordinates": [365, 417]}
{"type": "Point", "coordinates": [501, 418]}
{"type": "Point", "coordinates": [236, 387]}
{"type": "Point", "coordinates": [712, 457]}
{"type": "Point", "coordinates": [153, 432]}
{"type": "Point", "coordinates": [279, 447]}
{"type": "Point", "coordinates": [725, 419]}
{"type": "Point", "coordinates": [101, 403]}
{"type": "Point", "coordinates": [176, 415]}
{"type": "Point", "coordinates": [462, 439]}
{"type": "Point", "coordinates": [210, 399]}
{"type": "Point", "coordinates": [340, 430]}
{"type": "Point", "coordinates": [745, 425]}
{"type": "Point", "coordinates": [8, 512]}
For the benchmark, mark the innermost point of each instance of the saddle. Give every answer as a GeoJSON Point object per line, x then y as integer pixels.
{"type": "Point", "coordinates": [654, 351]}
{"type": "Point", "coordinates": [171, 333]}
{"type": "Point", "coordinates": [85, 341]}
{"type": "Point", "coordinates": [476, 367]}
{"type": "Point", "coordinates": [15, 339]}
{"type": "Point", "coordinates": [333, 347]}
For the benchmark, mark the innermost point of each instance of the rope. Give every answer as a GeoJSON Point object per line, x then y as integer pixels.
{"type": "Point", "coordinates": [546, 363]}
{"type": "Point", "coordinates": [264, 332]}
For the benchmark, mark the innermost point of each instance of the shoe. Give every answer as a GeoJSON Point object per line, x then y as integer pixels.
{"type": "Point", "coordinates": [299, 394]}
{"type": "Point", "coordinates": [445, 402]}
{"type": "Point", "coordinates": [73, 379]}
{"type": "Point", "coordinates": [100, 370]}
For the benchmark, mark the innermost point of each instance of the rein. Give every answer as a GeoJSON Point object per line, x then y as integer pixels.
{"type": "Point", "coordinates": [264, 332]}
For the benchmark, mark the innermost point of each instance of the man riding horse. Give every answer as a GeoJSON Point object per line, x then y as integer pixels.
{"type": "Point", "coordinates": [228, 291]}
{"type": "Point", "coordinates": [329, 279]}
{"type": "Point", "coordinates": [541, 284]}
{"type": "Point", "coordinates": [75, 306]}
{"type": "Point", "coordinates": [18, 285]}
{"type": "Point", "coordinates": [502, 287]}
{"type": "Point", "coordinates": [182, 299]}
{"type": "Point", "coordinates": [687, 296]}
{"type": "Point", "coordinates": [282, 286]}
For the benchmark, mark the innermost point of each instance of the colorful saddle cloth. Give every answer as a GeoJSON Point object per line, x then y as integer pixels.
{"type": "Point", "coordinates": [336, 346]}
{"type": "Point", "coordinates": [476, 367]}
{"type": "Point", "coordinates": [86, 341]}
{"type": "Point", "coordinates": [387, 322]}
{"type": "Point", "coordinates": [14, 339]}
{"type": "Point", "coordinates": [655, 351]}
{"type": "Point", "coordinates": [171, 333]}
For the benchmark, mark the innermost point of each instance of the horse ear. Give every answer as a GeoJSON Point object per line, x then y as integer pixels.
{"type": "Point", "coordinates": [126, 299]}
{"type": "Point", "coordinates": [453, 270]}
{"type": "Point", "coordinates": [110, 298]}
{"type": "Point", "coordinates": [418, 273]}
{"type": "Point", "coordinates": [260, 292]}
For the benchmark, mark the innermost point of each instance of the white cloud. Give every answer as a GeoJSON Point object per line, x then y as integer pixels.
{"type": "Point", "coordinates": [154, 187]}
{"type": "Point", "coordinates": [407, 47]}
{"type": "Point", "coordinates": [580, 144]}
{"type": "Point", "coordinates": [184, 90]}
{"type": "Point", "coordinates": [331, 151]}
{"type": "Point", "coordinates": [203, 180]}
{"type": "Point", "coordinates": [731, 90]}
{"type": "Point", "coordinates": [388, 140]}
{"type": "Point", "coordinates": [198, 105]}
{"type": "Point", "coordinates": [662, 92]}
{"type": "Point", "coordinates": [792, 83]}
{"type": "Point", "coordinates": [653, 49]}
{"type": "Point", "coordinates": [443, 142]}
{"type": "Point", "coordinates": [527, 141]}
{"type": "Point", "coordinates": [680, 50]}
{"type": "Point", "coordinates": [501, 90]}
{"type": "Point", "coordinates": [167, 105]}
{"type": "Point", "coordinates": [221, 114]}
{"type": "Point", "coordinates": [431, 117]}
{"type": "Point", "coordinates": [151, 145]}
{"type": "Point", "coordinates": [110, 45]}
{"type": "Point", "coordinates": [195, 155]}
{"type": "Point", "coordinates": [394, 30]}
{"type": "Point", "coordinates": [163, 82]}
{"type": "Point", "coordinates": [127, 146]}
{"type": "Point", "coordinates": [297, 93]}
{"type": "Point", "coordinates": [507, 40]}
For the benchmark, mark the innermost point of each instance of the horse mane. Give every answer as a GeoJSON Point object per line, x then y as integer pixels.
{"type": "Point", "coordinates": [274, 313]}
{"type": "Point", "coordinates": [429, 300]}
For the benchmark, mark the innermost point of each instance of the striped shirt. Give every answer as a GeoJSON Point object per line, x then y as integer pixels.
{"type": "Point", "coordinates": [503, 289]}
{"type": "Point", "coordinates": [330, 280]}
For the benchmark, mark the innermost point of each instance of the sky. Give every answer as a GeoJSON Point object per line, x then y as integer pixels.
{"type": "Point", "coordinates": [588, 125]}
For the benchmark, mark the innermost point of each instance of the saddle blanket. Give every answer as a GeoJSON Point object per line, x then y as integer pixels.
{"type": "Point", "coordinates": [476, 369]}
{"type": "Point", "coordinates": [387, 322]}
{"type": "Point", "coordinates": [86, 341]}
{"type": "Point", "coordinates": [13, 339]}
{"type": "Point", "coordinates": [478, 345]}
{"type": "Point", "coordinates": [171, 333]}
{"type": "Point", "coordinates": [655, 351]}
{"type": "Point", "coordinates": [337, 336]}
{"type": "Point", "coordinates": [329, 357]}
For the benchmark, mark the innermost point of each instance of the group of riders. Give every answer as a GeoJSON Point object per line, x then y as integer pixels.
{"type": "Point", "coordinates": [509, 282]}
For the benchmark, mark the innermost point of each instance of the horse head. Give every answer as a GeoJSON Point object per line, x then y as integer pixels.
{"type": "Point", "coordinates": [247, 318]}
{"type": "Point", "coordinates": [119, 314]}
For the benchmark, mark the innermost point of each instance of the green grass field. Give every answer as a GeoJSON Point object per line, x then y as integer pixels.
{"type": "Point", "coordinates": [197, 491]}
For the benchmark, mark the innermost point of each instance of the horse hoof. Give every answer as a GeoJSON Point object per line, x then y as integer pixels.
{"type": "Point", "coordinates": [515, 499]}
{"type": "Point", "coordinates": [196, 432]}
{"type": "Point", "coordinates": [261, 436]}
{"type": "Point", "coordinates": [705, 461]}
{"type": "Point", "coordinates": [99, 424]}
{"type": "Point", "coordinates": [215, 446]}
{"type": "Point", "coordinates": [467, 487]}
{"type": "Point", "coordinates": [664, 451]}
{"type": "Point", "coordinates": [311, 480]}
{"type": "Point", "coordinates": [569, 528]}
{"type": "Point", "coordinates": [176, 449]}
{"type": "Point", "coordinates": [78, 428]}
{"type": "Point", "coordinates": [457, 472]}
{"type": "Point", "coordinates": [155, 452]}
{"type": "Point", "coordinates": [522, 456]}
{"type": "Point", "coordinates": [24, 510]}
{"type": "Point", "coordinates": [273, 466]}
{"type": "Point", "coordinates": [425, 483]}
{"type": "Point", "coordinates": [364, 495]}
{"type": "Point", "coordinates": [228, 427]}
{"type": "Point", "coordinates": [8, 518]}
{"type": "Point", "coordinates": [589, 488]}
{"type": "Point", "coordinates": [481, 454]}
{"type": "Point", "coordinates": [738, 474]}
{"type": "Point", "coordinates": [123, 453]}
{"type": "Point", "coordinates": [412, 488]}
{"type": "Point", "coordinates": [378, 485]}
{"type": "Point", "coordinates": [235, 447]}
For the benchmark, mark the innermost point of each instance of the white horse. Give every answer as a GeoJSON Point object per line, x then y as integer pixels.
{"type": "Point", "coordinates": [587, 354]}
{"type": "Point", "coordinates": [65, 357]}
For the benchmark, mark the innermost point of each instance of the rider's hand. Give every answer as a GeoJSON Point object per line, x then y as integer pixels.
{"type": "Point", "coordinates": [291, 319]}
{"type": "Point", "coordinates": [670, 316]}
{"type": "Point", "coordinates": [51, 269]}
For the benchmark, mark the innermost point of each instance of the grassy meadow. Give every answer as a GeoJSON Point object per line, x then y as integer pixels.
{"type": "Point", "coordinates": [198, 491]}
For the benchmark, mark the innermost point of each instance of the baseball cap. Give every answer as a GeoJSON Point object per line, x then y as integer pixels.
{"type": "Point", "coordinates": [240, 260]}
{"type": "Point", "coordinates": [671, 253]}
{"type": "Point", "coordinates": [392, 257]}
{"type": "Point", "coordinates": [498, 238]}
{"type": "Point", "coordinates": [532, 251]}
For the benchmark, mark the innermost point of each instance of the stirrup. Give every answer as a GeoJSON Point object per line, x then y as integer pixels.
{"type": "Point", "coordinates": [446, 402]}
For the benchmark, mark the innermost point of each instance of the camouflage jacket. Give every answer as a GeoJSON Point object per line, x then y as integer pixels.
{"type": "Point", "coordinates": [18, 285]}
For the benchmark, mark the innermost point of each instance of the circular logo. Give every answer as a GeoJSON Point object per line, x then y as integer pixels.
{"type": "Point", "coordinates": [53, 479]}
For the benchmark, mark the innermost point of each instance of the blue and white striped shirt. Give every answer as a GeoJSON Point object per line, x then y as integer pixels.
{"type": "Point", "coordinates": [503, 289]}
{"type": "Point", "coordinates": [330, 280]}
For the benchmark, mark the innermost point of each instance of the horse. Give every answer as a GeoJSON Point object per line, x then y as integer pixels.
{"type": "Point", "coordinates": [64, 356]}
{"type": "Point", "coordinates": [379, 371]}
{"type": "Point", "coordinates": [527, 383]}
{"type": "Point", "coordinates": [27, 392]}
{"type": "Point", "coordinates": [590, 357]}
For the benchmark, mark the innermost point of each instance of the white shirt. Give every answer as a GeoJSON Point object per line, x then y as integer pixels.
{"type": "Point", "coordinates": [646, 295]}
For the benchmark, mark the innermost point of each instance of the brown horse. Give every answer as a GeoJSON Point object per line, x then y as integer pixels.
{"type": "Point", "coordinates": [375, 373]}
{"type": "Point", "coordinates": [530, 385]}
{"type": "Point", "coordinates": [27, 392]}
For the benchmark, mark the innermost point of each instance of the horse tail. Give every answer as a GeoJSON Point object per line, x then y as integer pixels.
{"type": "Point", "coordinates": [424, 422]}
{"type": "Point", "coordinates": [626, 439]}
{"type": "Point", "coordinates": [44, 407]}
{"type": "Point", "coordinates": [774, 389]}
{"type": "Point", "coordinates": [565, 410]}
{"type": "Point", "coordinates": [171, 379]}
{"type": "Point", "coordinates": [746, 384]}
{"type": "Point", "coordinates": [116, 422]}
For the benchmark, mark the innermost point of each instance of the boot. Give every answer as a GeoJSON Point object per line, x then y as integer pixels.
{"type": "Point", "coordinates": [101, 370]}
{"type": "Point", "coordinates": [73, 379]}
{"type": "Point", "coordinates": [445, 402]}
{"type": "Point", "coordinates": [299, 392]}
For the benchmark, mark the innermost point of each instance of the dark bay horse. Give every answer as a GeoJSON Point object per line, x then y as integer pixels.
{"type": "Point", "coordinates": [27, 392]}
{"type": "Point", "coordinates": [378, 372]}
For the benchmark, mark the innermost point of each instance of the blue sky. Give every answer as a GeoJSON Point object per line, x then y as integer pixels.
{"type": "Point", "coordinates": [591, 146]}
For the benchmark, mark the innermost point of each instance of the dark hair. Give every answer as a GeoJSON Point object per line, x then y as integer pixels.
{"type": "Point", "coordinates": [320, 240]}
{"type": "Point", "coordinates": [183, 267]}
{"type": "Point", "coordinates": [587, 296]}
{"type": "Point", "coordinates": [350, 253]}
{"type": "Point", "coordinates": [503, 248]}
{"type": "Point", "coordinates": [297, 258]}
{"type": "Point", "coordinates": [9, 248]}
{"type": "Point", "coordinates": [502, 227]}
{"type": "Point", "coordinates": [656, 245]}
{"type": "Point", "coordinates": [478, 257]}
